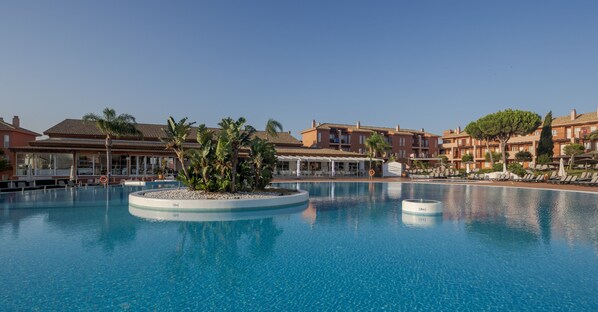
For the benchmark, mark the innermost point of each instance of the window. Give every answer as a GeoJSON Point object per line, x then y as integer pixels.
{"type": "Point", "coordinates": [569, 133]}
{"type": "Point", "coordinates": [593, 128]}
{"type": "Point", "coordinates": [554, 132]}
{"type": "Point", "coordinates": [6, 141]}
{"type": "Point", "coordinates": [319, 137]}
{"type": "Point", "coordinates": [282, 165]}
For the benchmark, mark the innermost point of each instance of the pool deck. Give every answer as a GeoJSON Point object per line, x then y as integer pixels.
{"type": "Point", "coordinates": [530, 185]}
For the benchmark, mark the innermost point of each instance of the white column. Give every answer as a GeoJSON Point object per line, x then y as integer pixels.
{"type": "Point", "coordinates": [298, 168]}
{"type": "Point", "coordinates": [332, 170]}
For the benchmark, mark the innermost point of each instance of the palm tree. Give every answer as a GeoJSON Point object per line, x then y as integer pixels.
{"type": "Point", "coordinates": [176, 135]}
{"type": "Point", "coordinates": [375, 144]}
{"type": "Point", "coordinates": [112, 125]}
{"type": "Point", "coordinates": [593, 135]}
{"type": "Point", "coordinates": [272, 128]}
{"type": "Point", "coordinates": [237, 138]}
{"type": "Point", "coordinates": [263, 160]}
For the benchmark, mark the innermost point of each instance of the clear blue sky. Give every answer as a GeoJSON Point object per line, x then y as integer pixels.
{"type": "Point", "coordinates": [430, 64]}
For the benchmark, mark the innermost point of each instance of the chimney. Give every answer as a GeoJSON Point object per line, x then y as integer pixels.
{"type": "Point", "coordinates": [573, 114]}
{"type": "Point", "coordinates": [458, 130]}
{"type": "Point", "coordinates": [313, 123]}
{"type": "Point", "coordinates": [423, 130]}
{"type": "Point", "coordinates": [358, 125]}
{"type": "Point", "coordinates": [398, 128]}
{"type": "Point", "coordinates": [1, 119]}
{"type": "Point", "coordinates": [16, 122]}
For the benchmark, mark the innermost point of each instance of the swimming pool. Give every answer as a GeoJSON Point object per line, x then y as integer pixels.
{"type": "Point", "coordinates": [351, 248]}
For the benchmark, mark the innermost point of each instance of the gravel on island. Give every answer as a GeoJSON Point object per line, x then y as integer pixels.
{"type": "Point", "coordinates": [187, 194]}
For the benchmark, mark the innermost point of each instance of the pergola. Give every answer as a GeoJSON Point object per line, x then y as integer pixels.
{"type": "Point", "coordinates": [328, 159]}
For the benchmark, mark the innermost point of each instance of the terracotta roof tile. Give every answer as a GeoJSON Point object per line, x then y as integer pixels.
{"type": "Point", "coordinates": [579, 119]}
{"type": "Point", "coordinates": [151, 132]}
{"type": "Point", "coordinates": [461, 134]}
{"type": "Point", "coordinates": [369, 129]}
{"type": "Point", "coordinates": [9, 127]}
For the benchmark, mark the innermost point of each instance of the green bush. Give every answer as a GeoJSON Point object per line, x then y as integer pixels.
{"type": "Point", "coordinates": [467, 158]}
{"type": "Point", "coordinates": [517, 169]}
{"type": "Point", "coordinates": [543, 159]}
{"type": "Point", "coordinates": [523, 156]}
{"type": "Point", "coordinates": [497, 167]}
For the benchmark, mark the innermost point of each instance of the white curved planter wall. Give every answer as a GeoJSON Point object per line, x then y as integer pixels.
{"type": "Point", "coordinates": [138, 200]}
{"type": "Point", "coordinates": [422, 206]}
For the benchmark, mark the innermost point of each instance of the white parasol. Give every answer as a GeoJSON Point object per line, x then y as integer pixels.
{"type": "Point", "coordinates": [561, 172]}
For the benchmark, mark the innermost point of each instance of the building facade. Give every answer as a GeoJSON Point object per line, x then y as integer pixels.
{"type": "Point", "coordinates": [77, 149]}
{"type": "Point", "coordinates": [405, 143]}
{"type": "Point", "coordinates": [13, 136]}
{"type": "Point", "coordinates": [573, 128]}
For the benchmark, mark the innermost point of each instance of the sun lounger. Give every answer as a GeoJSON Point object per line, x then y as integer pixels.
{"type": "Point", "coordinates": [568, 180]}
{"type": "Point", "coordinates": [592, 182]}
{"type": "Point", "coordinates": [558, 181]}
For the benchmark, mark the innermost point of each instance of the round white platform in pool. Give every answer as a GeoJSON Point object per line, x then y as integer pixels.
{"type": "Point", "coordinates": [422, 206]}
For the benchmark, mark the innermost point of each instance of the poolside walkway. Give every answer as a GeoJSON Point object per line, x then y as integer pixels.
{"type": "Point", "coordinates": [541, 185]}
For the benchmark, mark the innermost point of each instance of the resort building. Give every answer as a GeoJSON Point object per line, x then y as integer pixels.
{"type": "Point", "coordinates": [13, 136]}
{"type": "Point", "coordinates": [573, 128]}
{"type": "Point", "coordinates": [76, 149]}
{"type": "Point", "coordinates": [405, 143]}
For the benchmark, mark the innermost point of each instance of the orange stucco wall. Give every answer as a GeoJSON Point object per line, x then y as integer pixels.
{"type": "Point", "coordinates": [16, 139]}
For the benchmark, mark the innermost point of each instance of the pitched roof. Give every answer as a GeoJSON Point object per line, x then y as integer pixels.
{"type": "Point", "coordinates": [10, 127]}
{"type": "Point", "coordinates": [369, 129]}
{"type": "Point", "coordinates": [151, 132]}
{"type": "Point", "coordinates": [461, 134]}
{"type": "Point", "coordinates": [579, 119]}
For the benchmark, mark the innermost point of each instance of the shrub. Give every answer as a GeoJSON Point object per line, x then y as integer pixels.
{"type": "Point", "coordinates": [517, 169]}
{"type": "Point", "coordinates": [523, 156]}
{"type": "Point", "coordinates": [543, 159]}
{"type": "Point", "coordinates": [467, 158]}
{"type": "Point", "coordinates": [497, 167]}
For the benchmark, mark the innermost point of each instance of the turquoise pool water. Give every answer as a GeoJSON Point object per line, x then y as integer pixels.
{"type": "Point", "coordinates": [350, 249]}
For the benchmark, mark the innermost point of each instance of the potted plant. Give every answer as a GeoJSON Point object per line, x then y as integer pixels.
{"type": "Point", "coordinates": [160, 173]}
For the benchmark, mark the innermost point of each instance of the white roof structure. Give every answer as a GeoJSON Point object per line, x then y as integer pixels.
{"type": "Point", "coordinates": [323, 158]}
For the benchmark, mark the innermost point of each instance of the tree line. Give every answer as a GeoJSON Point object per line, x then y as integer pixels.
{"type": "Point", "coordinates": [503, 125]}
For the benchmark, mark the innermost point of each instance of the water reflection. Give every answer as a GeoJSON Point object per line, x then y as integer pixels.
{"type": "Point", "coordinates": [422, 221]}
{"type": "Point", "coordinates": [94, 213]}
{"type": "Point", "coordinates": [502, 234]}
{"type": "Point", "coordinates": [495, 213]}
{"type": "Point", "coordinates": [231, 248]}
{"type": "Point", "coordinates": [193, 216]}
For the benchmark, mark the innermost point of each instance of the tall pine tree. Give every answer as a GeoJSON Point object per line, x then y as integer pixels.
{"type": "Point", "coordinates": [546, 145]}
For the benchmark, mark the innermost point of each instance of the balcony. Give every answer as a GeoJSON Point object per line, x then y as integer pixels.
{"type": "Point", "coordinates": [337, 141]}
